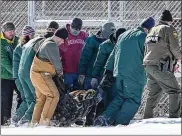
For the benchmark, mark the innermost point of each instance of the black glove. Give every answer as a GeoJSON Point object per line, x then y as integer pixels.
{"type": "Point", "coordinates": [59, 84]}
{"type": "Point", "coordinates": [81, 79]}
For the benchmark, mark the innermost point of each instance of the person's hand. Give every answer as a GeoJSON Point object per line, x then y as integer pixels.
{"type": "Point", "coordinates": [94, 82]}
{"type": "Point", "coordinates": [60, 75]}
{"type": "Point", "coordinates": [81, 79]}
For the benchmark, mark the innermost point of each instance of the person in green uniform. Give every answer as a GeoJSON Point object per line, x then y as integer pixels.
{"type": "Point", "coordinates": [8, 43]}
{"type": "Point", "coordinates": [126, 62]}
{"type": "Point", "coordinates": [27, 34]}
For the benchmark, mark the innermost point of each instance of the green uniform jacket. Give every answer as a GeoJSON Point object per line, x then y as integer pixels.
{"type": "Point", "coordinates": [105, 50]}
{"type": "Point", "coordinates": [28, 53]}
{"type": "Point", "coordinates": [7, 48]}
{"type": "Point", "coordinates": [126, 59]}
{"type": "Point", "coordinates": [16, 60]}
{"type": "Point", "coordinates": [88, 55]}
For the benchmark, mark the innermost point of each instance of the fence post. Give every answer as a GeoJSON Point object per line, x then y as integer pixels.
{"type": "Point", "coordinates": [109, 10]}
{"type": "Point", "coordinates": [121, 12]}
{"type": "Point", "coordinates": [43, 8]}
{"type": "Point", "coordinates": [31, 13]}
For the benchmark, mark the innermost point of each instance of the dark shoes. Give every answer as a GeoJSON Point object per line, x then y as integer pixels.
{"type": "Point", "coordinates": [101, 121]}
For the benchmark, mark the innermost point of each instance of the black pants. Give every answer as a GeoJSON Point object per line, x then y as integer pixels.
{"type": "Point", "coordinates": [7, 89]}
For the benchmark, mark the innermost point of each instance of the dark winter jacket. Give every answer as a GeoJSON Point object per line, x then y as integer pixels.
{"type": "Point", "coordinates": [28, 52]}
{"type": "Point", "coordinates": [105, 50]}
{"type": "Point", "coordinates": [126, 59]}
{"type": "Point", "coordinates": [16, 60]}
{"type": "Point", "coordinates": [88, 55]}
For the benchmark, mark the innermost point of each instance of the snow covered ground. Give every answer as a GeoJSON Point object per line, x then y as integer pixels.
{"type": "Point", "coordinates": [156, 126]}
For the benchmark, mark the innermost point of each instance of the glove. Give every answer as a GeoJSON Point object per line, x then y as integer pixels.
{"type": "Point", "coordinates": [94, 82]}
{"type": "Point", "coordinates": [59, 82]}
{"type": "Point", "coordinates": [81, 79]}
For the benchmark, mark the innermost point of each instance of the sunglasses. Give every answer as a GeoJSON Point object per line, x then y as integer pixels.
{"type": "Point", "coordinates": [113, 29]}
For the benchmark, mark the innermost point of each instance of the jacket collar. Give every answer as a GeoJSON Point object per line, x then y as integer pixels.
{"type": "Point", "coordinates": [140, 28]}
{"type": "Point", "coordinates": [163, 23]}
{"type": "Point", "coordinates": [8, 41]}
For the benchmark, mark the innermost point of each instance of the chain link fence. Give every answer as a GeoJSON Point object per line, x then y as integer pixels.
{"type": "Point", "coordinates": [15, 11]}
{"type": "Point", "coordinates": [126, 14]}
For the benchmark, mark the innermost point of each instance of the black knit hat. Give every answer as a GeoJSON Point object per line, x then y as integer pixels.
{"type": "Point", "coordinates": [8, 26]}
{"type": "Point", "coordinates": [148, 23]}
{"type": "Point", "coordinates": [166, 16]}
{"type": "Point", "coordinates": [77, 23]}
{"type": "Point", "coordinates": [61, 33]}
{"type": "Point", "coordinates": [53, 24]}
{"type": "Point", "coordinates": [114, 37]}
{"type": "Point", "coordinates": [118, 32]}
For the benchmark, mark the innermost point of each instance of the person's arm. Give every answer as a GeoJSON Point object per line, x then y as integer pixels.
{"type": "Point", "coordinates": [5, 61]}
{"type": "Point", "coordinates": [142, 49]}
{"type": "Point", "coordinates": [174, 43]}
{"type": "Point", "coordinates": [142, 38]}
{"type": "Point", "coordinates": [52, 54]}
{"type": "Point", "coordinates": [110, 62]}
{"type": "Point", "coordinates": [100, 62]}
{"type": "Point", "coordinates": [108, 79]}
{"type": "Point", "coordinates": [16, 60]}
{"type": "Point", "coordinates": [86, 56]}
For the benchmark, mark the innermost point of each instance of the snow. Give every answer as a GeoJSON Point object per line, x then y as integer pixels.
{"type": "Point", "coordinates": [155, 126]}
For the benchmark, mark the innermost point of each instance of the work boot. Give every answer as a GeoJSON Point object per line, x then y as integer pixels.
{"type": "Point", "coordinates": [23, 121]}
{"type": "Point", "coordinates": [15, 119]}
{"type": "Point", "coordinates": [101, 121]}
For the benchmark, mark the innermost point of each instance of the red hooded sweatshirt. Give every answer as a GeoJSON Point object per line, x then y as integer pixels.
{"type": "Point", "coordinates": [70, 51]}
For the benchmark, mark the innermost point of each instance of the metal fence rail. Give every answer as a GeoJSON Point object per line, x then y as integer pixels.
{"type": "Point", "coordinates": [126, 14]}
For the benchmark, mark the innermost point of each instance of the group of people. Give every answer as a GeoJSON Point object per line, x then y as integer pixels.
{"type": "Point", "coordinates": [118, 61]}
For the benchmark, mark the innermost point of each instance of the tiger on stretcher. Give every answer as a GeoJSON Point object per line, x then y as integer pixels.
{"type": "Point", "coordinates": [73, 106]}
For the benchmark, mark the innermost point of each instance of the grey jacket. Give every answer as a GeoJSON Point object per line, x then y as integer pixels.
{"type": "Point", "coordinates": [161, 42]}
{"type": "Point", "coordinates": [49, 51]}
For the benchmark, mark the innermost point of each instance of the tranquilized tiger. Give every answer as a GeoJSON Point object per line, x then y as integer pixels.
{"type": "Point", "coordinates": [72, 106]}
